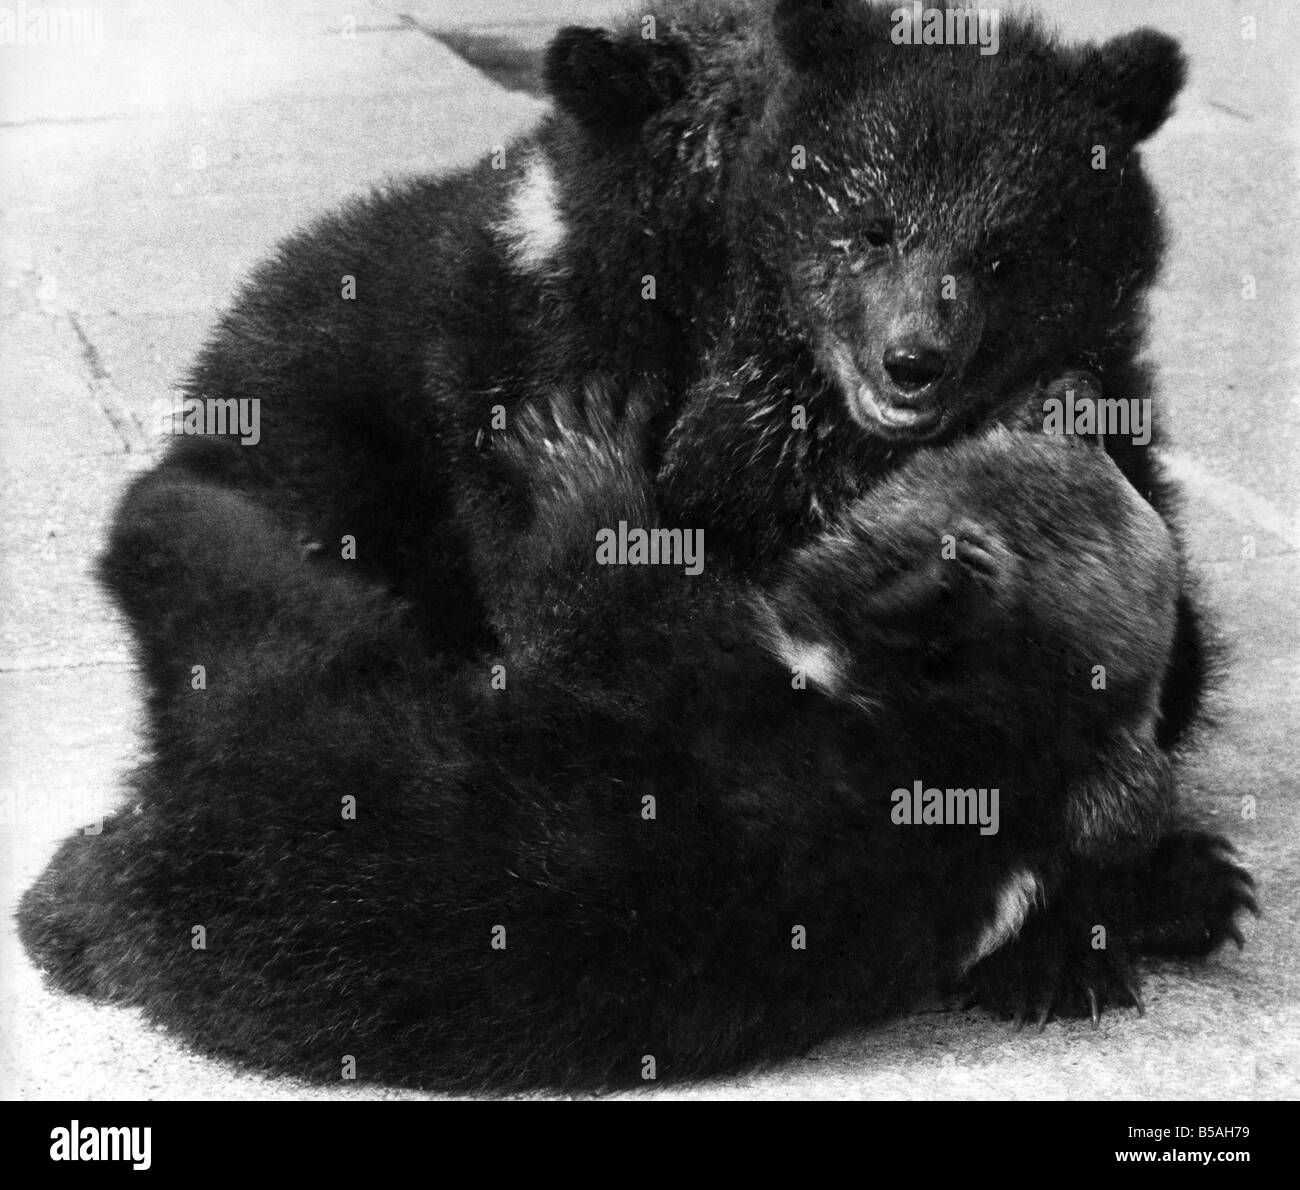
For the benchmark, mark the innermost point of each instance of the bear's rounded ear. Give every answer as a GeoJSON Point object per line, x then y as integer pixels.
{"type": "Point", "coordinates": [1136, 78]}
{"type": "Point", "coordinates": [608, 82]}
{"type": "Point", "coordinates": [819, 33]}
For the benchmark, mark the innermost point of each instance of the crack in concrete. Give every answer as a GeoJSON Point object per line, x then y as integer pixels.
{"type": "Point", "coordinates": [59, 120]}
{"type": "Point", "coordinates": [1232, 111]}
{"type": "Point", "coordinates": [107, 396]}
{"type": "Point", "coordinates": [15, 665]}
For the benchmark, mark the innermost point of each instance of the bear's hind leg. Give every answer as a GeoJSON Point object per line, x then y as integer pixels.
{"type": "Point", "coordinates": [206, 575]}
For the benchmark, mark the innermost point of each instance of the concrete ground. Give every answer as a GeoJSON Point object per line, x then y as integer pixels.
{"type": "Point", "coordinates": [140, 180]}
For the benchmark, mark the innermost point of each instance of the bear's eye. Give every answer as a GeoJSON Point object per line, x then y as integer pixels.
{"type": "Point", "coordinates": [879, 233]}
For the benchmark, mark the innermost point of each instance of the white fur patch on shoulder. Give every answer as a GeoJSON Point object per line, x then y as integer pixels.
{"type": "Point", "coordinates": [818, 663]}
{"type": "Point", "coordinates": [1019, 893]}
{"type": "Point", "coordinates": [533, 226]}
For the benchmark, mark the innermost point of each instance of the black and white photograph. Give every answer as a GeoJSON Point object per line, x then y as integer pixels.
{"type": "Point", "coordinates": [731, 550]}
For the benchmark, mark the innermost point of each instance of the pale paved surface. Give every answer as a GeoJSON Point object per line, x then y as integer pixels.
{"type": "Point", "coordinates": [139, 183]}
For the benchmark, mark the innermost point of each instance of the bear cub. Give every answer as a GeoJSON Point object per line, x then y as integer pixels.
{"type": "Point", "coordinates": [483, 813]}
{"type": "Point", "coordinates": [814, 249]}
{"type": "Point", "coordinates": [670, 836]}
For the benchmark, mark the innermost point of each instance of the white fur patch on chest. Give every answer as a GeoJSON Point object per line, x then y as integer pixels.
{"type": "Point", "coordinates": [533, 226]}
{"type": "Point", "coordinates": [1020, 892]}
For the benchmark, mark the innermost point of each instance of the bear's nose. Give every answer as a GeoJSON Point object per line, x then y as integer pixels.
{"type": "Point", "coordinates": [912, 367]}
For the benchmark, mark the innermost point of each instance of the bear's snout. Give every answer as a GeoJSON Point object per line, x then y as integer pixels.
{"type": "Point", "coordinates": [914, 367]}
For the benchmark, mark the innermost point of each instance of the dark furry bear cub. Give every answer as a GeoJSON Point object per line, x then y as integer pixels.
{"type": "Point", "coordinates": [817, 250]}
{"type": "Point", "coordinates": [671, 846]}
{"type": "Point", "coordinates": [824, 268]}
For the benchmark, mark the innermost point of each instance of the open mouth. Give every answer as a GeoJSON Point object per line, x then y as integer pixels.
{"type": "Point", "coordinates": [899, 420]}
{"type": "Point", "coordinates": [916, 413]}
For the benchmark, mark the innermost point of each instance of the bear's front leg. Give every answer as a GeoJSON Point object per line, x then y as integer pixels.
{"type": "Point", "coordinates": [1077, 953]}
{"type": "Point", "coordinates": [1016, 576]}
{"type": "Point", "coordinates": [1069, 958]}
{"type": "Point", "coordinates": [1018, 590]}
{"type": "Point", "coordinates": [1194, 658]}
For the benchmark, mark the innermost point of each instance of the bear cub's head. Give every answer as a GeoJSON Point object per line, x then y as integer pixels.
{"type": "Point", "coordinates": [929, 223]}
{"type": "Point", "coordinates": [944, 221]}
